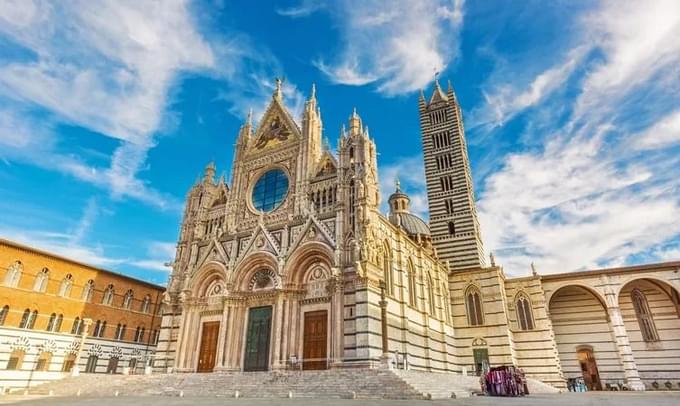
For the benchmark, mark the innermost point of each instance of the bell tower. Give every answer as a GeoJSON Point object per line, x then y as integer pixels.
{"type": "Point", "coordinates": [450, 195]}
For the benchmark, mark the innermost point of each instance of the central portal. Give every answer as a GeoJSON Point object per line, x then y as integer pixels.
{"type": "Point", "coordinates": [315, 340]}
{"type": "Point", "coordinates": [257, 339]}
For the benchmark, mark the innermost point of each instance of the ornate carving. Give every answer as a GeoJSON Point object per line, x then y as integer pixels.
{"type": "Point", "coordinates": [21, 343]}
{"type": "Point", "coordinates": [275, 132]}
{"type": "Point", "coordinates": [96, 350]}
{"type": "Point", "coordinates": [264, 279]}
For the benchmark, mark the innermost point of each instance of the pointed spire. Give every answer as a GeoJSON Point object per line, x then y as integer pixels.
{"type": "Point", "coordinates": [450, 93]}
{"type": "Point", "coordinates": [249, 120]}
{"type": "Point", "coordinates": [209, 175]}
{"type": "Point", "coordinates": [278, 92]}
{"type": "Point", "coordinates": [438, 93]}
{"type": "Point", "coordinates": [313, 94]}
{"type": "Point", "coordinates": [354, 123]}
{"type": "Point", "coordinates": [397, 184]}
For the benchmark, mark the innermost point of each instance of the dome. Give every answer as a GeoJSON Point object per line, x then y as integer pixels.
{"type": "Point", "coordinates": [411, 223]}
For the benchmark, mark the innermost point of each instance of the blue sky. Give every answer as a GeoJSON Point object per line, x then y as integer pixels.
{"type": "Point", "coordinates": [110, 110]}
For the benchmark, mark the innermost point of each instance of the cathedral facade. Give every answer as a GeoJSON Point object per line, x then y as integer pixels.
{"type": "Point", "coordinates": [293, 266]}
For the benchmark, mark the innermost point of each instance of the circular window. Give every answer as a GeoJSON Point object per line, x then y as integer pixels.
{"type": "Point", "coordinates": [270, 190]}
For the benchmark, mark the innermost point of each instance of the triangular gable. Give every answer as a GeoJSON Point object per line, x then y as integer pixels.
{"type": "Point", "coordinates": [313, 230]}
{"type": "Point", "coordinates": [327, 165]}
{"type": "Point", "coordinates": [215, 252]}
{"type": "Point", "coordinates": [261, 240]}
{"type": "Point", "coordinates": [276, 127]}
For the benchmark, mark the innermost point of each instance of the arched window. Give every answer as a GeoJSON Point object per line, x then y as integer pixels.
{"type": "Point", "coordinates": [66, 285]}
{"type": "Point", "coordinates": [107, 299]}
{"type": "Point", "coordinates": [430, 294]}
{"type": "Point", "coordinates": [25, 318]}
{"type": "Point", "coordinates": [139, 334]}
{"type": "Point", "coordinates": [77, 327]}
{"type": "Point", "coordinates": [97, 326]}
{"type": "Point", "coordinates": [57, 324]}
{"type": "Point", "coordinates": [525, 319]}
{"type": "Point", "coordinates": [387, 269]}
{"type": "Point", "coordinates": [473, 305]}
{"type": "Point", "coordinates": [33, 318]}
{"type": "Point", "coordinates": [120, 331]}
{"type": "Point", "coordinates": [41, 280]}
{"type": "Point", "coordinates": [50, 323]}
{"type": "Point", "coordinates": [644, 316]}
{"type": "Point", "coordinates": [88, 290]}
{"type": "Point", "coordinates": [13, 275]}
{"type": "Point", "coordinates": [127, 299]}
{"type": "Point", "coordinates": [3, 315]}
{"type": "Point", "coordinates": [44, 360]}
{"type": "Point", "coordinates": [452, 228]}
{"type": "Point", "coordinates": [16, 358]}
{"type": "Point", "coordinates": [69, 361]}
{"type": "Point", "coordinates": [411, 275]}
{"type": "Point", "coordinates": [146, 304]}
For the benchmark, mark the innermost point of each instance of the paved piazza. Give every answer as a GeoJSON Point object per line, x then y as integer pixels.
{"type": "Point", "coordinates": [568, 399]}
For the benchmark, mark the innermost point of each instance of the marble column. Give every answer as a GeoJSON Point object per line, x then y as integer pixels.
{"type": "Point", "coordinates": [278, 327]}
{"type": "Point", "coordinates": [623, 344]}
{"type": "Point", "coordinates": [222, 338]}
{"type": "Point", "coordinates": [337, 322]}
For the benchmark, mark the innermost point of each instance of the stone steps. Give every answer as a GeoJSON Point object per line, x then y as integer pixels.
{"type": "Point", "coordinates": [338, 383]}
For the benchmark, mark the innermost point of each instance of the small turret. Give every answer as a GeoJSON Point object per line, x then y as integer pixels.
{"type": "Point", "coordinates": [354, 123]}
{"type": "Point", "coordinates": [209, 174]}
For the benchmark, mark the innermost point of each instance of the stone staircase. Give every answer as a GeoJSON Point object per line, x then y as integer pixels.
{"type": "Point", "coordinates": [446, 385]}
{"type": "Point", "coordinates": [334, 383]}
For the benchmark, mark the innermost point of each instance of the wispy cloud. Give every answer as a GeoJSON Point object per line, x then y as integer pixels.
{"type": "Point", "coordinates": [108, 70]}
{"type": "Point", "coordinates": [663, 133]}
{"type": "Point", "coordinates": [396, 48]}
{"type": "Point", "coordinates": [586, 198]}
{"type": "Point", "coordinates": [304, 9]}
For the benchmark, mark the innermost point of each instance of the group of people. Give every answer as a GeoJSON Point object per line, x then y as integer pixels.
{"type": "Point", "coordinates": [504, 381]}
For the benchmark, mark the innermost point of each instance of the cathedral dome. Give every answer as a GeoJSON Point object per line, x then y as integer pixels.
{"type": "Point", "coordinates": [413, 224]}
{"type": "Point", "coordinates": [401, 216]}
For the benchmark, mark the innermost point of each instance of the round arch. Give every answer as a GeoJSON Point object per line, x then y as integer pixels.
{"type": "Point", "coordinates": [590, 289]}
{"type": "Point", "coordinates": [206, 275]}
{"type": "Point", "coordinates": [663, 285]}
{"type": "Point", "coordinates": [302, 260]}
{"type": "Point", "coordinates": [245, 270]}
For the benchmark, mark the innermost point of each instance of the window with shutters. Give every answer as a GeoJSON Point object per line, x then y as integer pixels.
{"type": "Point", "coordinates": [525, 319]}
{"type": "Point", "coordinates": [644, 316]}
{"type": "Point", "coordinates": [473, 306]}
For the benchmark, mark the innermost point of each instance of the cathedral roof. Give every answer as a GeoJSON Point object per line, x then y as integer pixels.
{"type": "Point", "coordinates": [413, 224]}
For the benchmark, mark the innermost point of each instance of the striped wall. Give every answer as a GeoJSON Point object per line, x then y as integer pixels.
{"type": "Point", "coordinates": [580, 319]}
{"type": "Point", "coordinates": [535, 350]}
{"type": "Point", "coordinates": [61, 345]}
{"type": "Point", "coordinates": [657, 361]}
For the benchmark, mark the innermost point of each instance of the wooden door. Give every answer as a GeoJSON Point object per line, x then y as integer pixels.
{"type": "Point", "coordinates": [208, 351]}
{"type": "Point", "coordinates": [591, 376]}
{"type": "Point", "coordinates": [257, 339]}
{"type": "Point", "coordinates": [113, 366]}
{"type": "Point", "coordinates": [315, 341]}
{"type": "Point", "coordinates": [481, 357]}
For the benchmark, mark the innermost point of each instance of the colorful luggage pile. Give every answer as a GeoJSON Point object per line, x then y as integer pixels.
{"type": "Point", "coordinates": [504, 381]}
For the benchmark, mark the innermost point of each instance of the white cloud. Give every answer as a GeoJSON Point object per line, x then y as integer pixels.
{"type": "Point", "coordinates": [304, 9]}
{"type": "Point", "coordinates": [108, 70]}
{"type": "Point", "coordinates": [586, 198]}
{"type": "Point", "coordinates": [663, 133]}
{"type": "Point", "coordinates": [397, 48]}
{"type": "Point", "coordinates": [504, 101]}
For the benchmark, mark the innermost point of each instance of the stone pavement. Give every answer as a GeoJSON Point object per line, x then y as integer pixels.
{"type": "Point", "coordinates": [567, 399]}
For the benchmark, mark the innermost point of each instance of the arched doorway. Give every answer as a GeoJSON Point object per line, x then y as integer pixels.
{"type": "Point", "coordinates": [586, 346]}
{"type": "Point", "coordinates": [589, 371]}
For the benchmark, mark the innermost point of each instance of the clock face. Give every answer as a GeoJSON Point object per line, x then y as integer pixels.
{"type": "Point", "coordinates": [270, 190]}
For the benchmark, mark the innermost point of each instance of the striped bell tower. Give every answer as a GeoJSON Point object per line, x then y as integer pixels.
{"type": "Point", "coordinates": [451, 198]}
